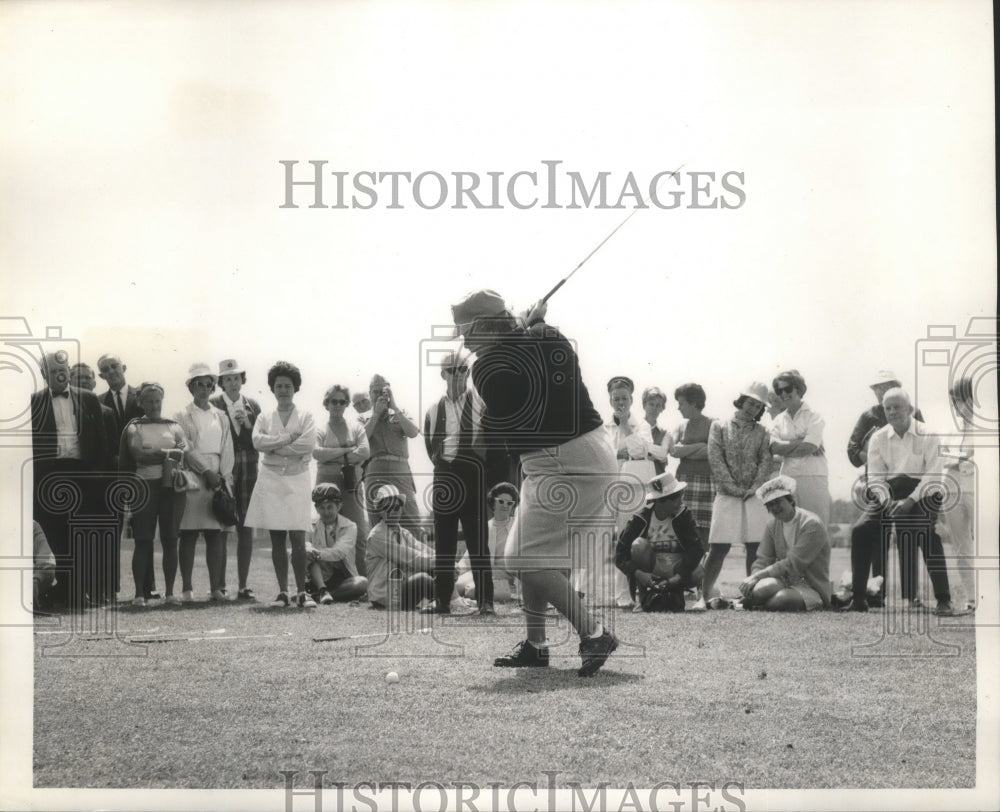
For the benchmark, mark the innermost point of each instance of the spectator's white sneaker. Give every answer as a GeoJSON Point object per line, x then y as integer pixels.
{"type": "Point", "coordinates": [187, 596]}
{"type": "Point", "coordinates": [171, 600]}
{"type": "Point", "coordinates": [698, 605]}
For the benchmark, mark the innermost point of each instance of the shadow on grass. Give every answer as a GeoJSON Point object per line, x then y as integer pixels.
{"type": "Point", "coordinates": [547, 680]}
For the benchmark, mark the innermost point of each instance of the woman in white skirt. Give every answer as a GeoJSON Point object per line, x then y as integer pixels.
{"type": "Point", "coordinates": [740, 456]}
{"type": "Point", "coordinates": [281, 498]}
{"type": "Point", "coordinates": [797, 438]}
{"type": "Point", "coordinates": [210, 455]}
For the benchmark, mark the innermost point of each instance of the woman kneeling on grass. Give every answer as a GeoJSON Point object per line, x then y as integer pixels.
{"type": "Point", "coordinates": [792, 570]}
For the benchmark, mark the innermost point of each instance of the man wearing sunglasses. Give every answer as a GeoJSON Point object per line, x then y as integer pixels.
{"type": "Point", "coordinates": [456, 446]}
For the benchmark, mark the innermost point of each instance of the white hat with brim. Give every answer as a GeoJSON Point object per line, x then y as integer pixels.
{"type": "Point", "coordinates": [757, 391]}
{"type": "Point", "coordinates": [776, 488]}
{"type": "Point", "coordinates": [230, 367]}
{"type": "Point", "coordinates": [388, 493]}
{"type": "Point", "coordinates": [662, 486]}
{"type": "Point", "coordinates": [200, 371]}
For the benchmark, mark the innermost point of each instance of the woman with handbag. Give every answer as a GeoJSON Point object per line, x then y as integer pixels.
{"type": "Point", "coordinates": [242, 412]}
{"type": "Point", "coordinates": [282, 497]}
{"type": "Point", "coordinates": [341, 445]}
{"type": "Point", "coordinates": [210, 457]}
{"type": "Point", "coordinates": [153, 448]}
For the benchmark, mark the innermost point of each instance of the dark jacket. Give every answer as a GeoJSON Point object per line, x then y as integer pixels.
{"type": "Point", "coordinates": [95, 448]}
{"type": "Point", "coordinates": [534, 394]}
{"type": "Point", "coordinates": [687, 533]}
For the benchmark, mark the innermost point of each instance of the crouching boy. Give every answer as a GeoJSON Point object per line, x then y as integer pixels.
{"type": "Point", "coordinates": [660, 548]}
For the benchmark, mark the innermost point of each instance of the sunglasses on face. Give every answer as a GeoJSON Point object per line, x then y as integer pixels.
{"type": "Point", "coordinates": [337, 402]}
{"type": "Point", "coordinates": [784, 390]}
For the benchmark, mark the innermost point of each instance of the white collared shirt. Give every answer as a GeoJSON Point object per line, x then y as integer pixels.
{"type": "Point", "coordinates": [452, 426]}
{"type": "Point", "coordinates": [231, 407]}
{"type": "Point", "coordinates": [638, 442]}
{"type": "Point", "coordinates": [916, 454]}
{"type": "Point", "coordinates": [67, 442]}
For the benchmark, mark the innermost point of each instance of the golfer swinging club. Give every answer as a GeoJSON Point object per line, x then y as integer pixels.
{"type": "Point", "coordinates": [537, 405]}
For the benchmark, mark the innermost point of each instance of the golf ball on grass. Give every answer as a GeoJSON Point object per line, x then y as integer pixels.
{"type": "Point", "coordinates": [392, 678]}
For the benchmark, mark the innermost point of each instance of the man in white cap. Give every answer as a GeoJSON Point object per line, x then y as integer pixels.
{"type": "Point", "coordinates": [538, 407]}
{"type": "Point", "coordinates": [457, 448]}
{"type": "Point", "coordinates": [392, 547]}
{"type": "Point", "coordinates": [660, 548]}
{"type": "Point", "coordinates": [792, 570]}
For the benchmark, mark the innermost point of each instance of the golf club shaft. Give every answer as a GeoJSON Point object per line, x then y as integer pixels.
{"type": "Point", "coordinates": [644, 205]}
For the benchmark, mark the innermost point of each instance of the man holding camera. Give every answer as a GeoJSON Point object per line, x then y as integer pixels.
{"type": "Point", "coordinates": [389, 431]}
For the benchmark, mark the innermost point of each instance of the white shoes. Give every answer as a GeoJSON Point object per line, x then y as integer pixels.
{"type": "Point", "coordinates": [138, 601]}
{"type": "Point", "coordinates": [187, 596]}
{"type": "Point", "coordinates": [171, 600]}
{"type": "Point", "coordinates": [698, 605]}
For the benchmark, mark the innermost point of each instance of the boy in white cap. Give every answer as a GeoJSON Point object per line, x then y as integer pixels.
{"type": "Point", "coordinates": [390, 547]}
{"type": "Point", "coordinates": [792, 570]}
{"type": "Point", "coordinates": [660, 548]}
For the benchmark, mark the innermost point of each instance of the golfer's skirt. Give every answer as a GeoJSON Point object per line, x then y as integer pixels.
{"type": "Point", "coordinates": [737, 521]}
{"type": "Point", "coordinates": [569, 496]}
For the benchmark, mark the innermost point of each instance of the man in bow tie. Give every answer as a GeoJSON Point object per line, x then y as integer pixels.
{"type": "Point", "coordinates": [70, 450]}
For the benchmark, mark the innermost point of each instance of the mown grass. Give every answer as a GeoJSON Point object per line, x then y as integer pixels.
{"type": "Point", "coordinates": [773, 701]}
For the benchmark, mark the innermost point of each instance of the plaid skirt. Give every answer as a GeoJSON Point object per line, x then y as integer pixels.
{"type": "Point", "coordinates": [244, 478]}
{"type": "Point", "coordinates": [698, 496]}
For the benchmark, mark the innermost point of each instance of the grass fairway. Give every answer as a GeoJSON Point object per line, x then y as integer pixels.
{"type": "Point", "coordinates": [774, 701]}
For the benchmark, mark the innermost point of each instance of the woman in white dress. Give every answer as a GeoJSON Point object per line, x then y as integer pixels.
{"type": "Point", "coordinates": [210, 455]}
{"type": "Point", "coordinates": [281, 498]}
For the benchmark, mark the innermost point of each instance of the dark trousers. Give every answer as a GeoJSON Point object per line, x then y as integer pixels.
{"type": "Point", "coordinates": [459, 495]}
{"type": "Point", "coordinates": [71, 506]}
{"type": "Point", "coordinates": [915, 530]}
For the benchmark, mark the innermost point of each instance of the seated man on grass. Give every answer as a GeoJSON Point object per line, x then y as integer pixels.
{"type": "Point", "coordinates": [792, 569]}
{"type": "Point", "coordinates": [660, 548]}
{"type": "Point", "coordinates": [393, 548]}
{"type": "Point", "coordinates": [332, 573]}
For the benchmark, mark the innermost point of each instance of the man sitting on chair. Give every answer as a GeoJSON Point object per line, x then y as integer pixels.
{"type": "Point", "coordinates": [330, 550]}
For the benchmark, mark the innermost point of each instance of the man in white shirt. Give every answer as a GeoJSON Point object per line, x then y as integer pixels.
{"type": "Point", "coordinates": [456, 445]}
{"type": "Point", "coordinates": [70, 446]}
{"type": "Point", "coordinates": [904, 486]}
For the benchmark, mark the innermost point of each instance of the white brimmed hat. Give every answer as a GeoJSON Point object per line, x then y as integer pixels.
{"type": "Point", "coordinates": [387, 493]}
{"type": "Point", "coordinates": [663, 485]}
{"type": "Point", "coordinates": [776, 488]}
{"type": "Point", "coordinates": [200, 371]}
{"type": "Point", "coordinates": [756, 390]}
